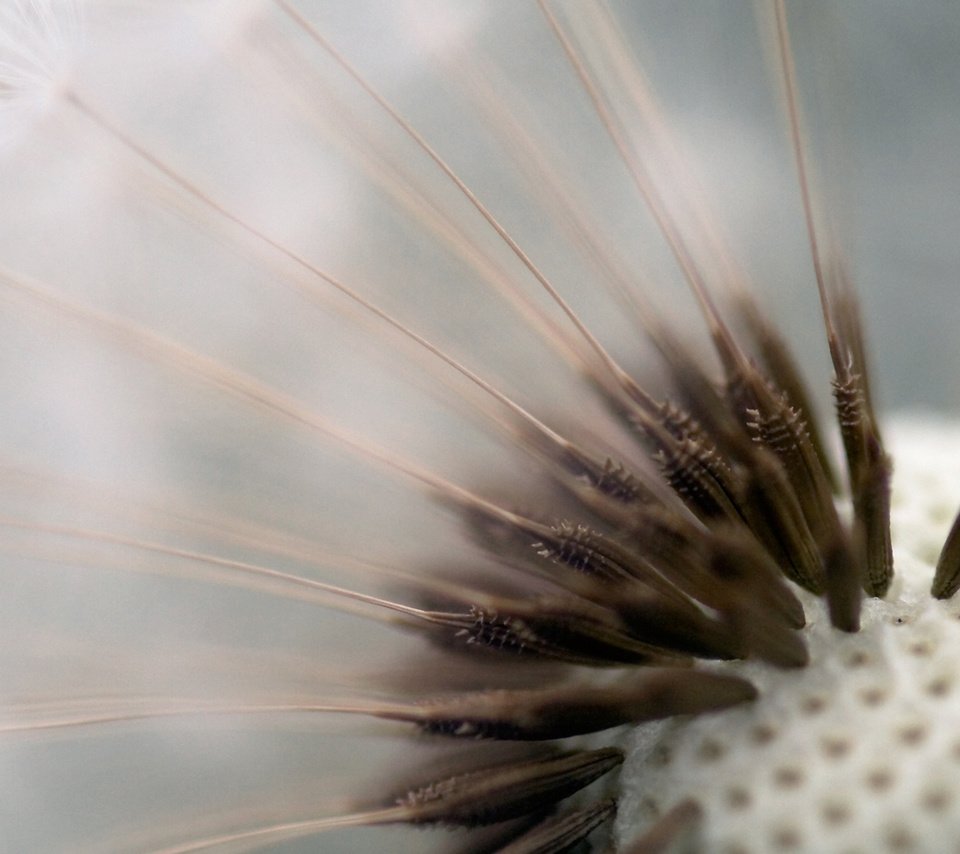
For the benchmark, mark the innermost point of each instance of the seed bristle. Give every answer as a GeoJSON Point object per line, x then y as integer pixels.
{"type": "Point", "coordinates": [785, 373]}
{"type": "Point", "coordinates": [561, 833]}
{"type": "Point", "coordinates": [946, 579]}
{"type": "Point", "coordinates": [575, 709]}
{"type": "Point", "coordinates": [503, 792]}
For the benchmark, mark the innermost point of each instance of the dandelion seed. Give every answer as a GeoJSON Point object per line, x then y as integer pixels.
{"type": "Point", "coordinates": [364, 469]}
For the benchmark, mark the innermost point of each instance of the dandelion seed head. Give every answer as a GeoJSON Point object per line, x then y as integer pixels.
{"type": "Point", "coordinates": [857, 750]}
{"type": "Point", "coordinates": [207, 440]}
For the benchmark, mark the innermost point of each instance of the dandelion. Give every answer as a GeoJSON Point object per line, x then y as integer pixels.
{"type": "Point", "coordinates": [397, 437]}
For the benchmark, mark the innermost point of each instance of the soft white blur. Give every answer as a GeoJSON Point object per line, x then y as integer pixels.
{"type": "Point", "coordinates": [98, 436]}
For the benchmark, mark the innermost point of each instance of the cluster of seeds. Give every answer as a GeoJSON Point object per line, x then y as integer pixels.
{"type": "Point", "coordinates": [727, 587]}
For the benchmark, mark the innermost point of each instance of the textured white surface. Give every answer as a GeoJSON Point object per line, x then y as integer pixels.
{"type": "Point", "coordinates": [859, 752]}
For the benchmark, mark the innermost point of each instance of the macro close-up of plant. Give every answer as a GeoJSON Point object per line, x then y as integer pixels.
{"type": "Point", "coordinates": [479, 426]}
